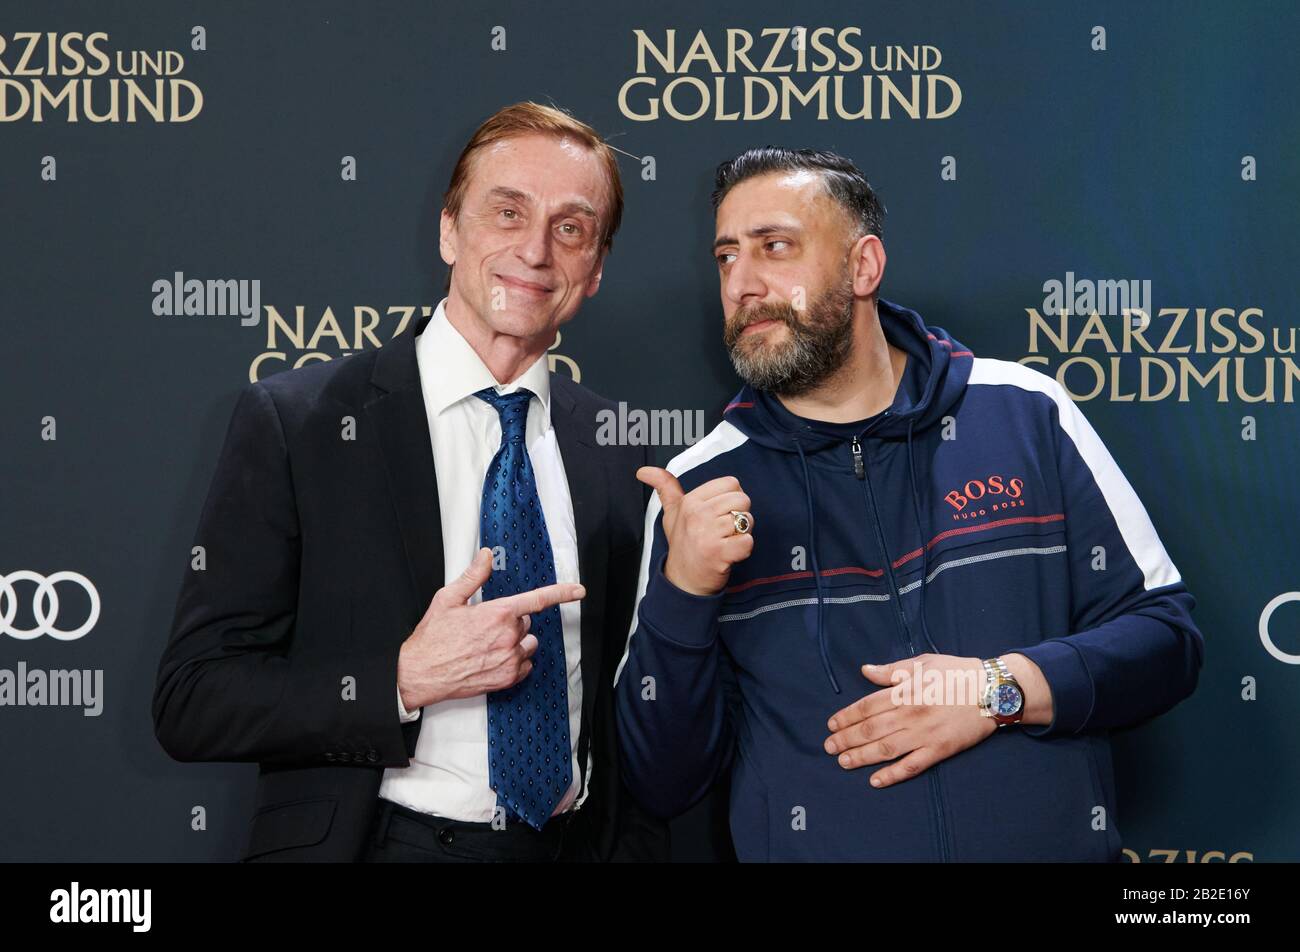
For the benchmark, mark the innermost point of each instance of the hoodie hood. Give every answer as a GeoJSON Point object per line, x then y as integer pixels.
{"type": "Point", "coordinates": [931, 383]}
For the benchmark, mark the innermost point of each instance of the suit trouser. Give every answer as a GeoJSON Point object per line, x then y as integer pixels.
{"type": "Point", "coordinates": [403, 835]}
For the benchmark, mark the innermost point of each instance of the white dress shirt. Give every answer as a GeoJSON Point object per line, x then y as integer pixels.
{"type": "Point", "coordinates": [448, 776]}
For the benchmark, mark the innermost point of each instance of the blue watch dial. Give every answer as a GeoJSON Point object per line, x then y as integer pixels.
{"type": "Point", "coordinates": [1008, 700]}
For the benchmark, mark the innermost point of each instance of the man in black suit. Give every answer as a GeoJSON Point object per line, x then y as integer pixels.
{"type": "Point", "coordinates": [333, 633]}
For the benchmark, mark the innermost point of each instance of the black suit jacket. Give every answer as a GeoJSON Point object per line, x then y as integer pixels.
{"type": "Point", "coordinates": [321, 554]}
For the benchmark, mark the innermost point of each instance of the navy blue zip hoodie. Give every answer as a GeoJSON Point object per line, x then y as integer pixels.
{"type": "Point", "coordinates": [979, 515]}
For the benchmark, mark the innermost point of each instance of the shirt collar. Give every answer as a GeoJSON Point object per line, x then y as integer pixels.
{"type": "Point", "coordinates": [457, 372]}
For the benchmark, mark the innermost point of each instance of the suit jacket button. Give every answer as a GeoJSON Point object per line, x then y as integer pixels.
{"type": "Point", "coordinates": [373, 756]}
{"type": "Point", "coordinates": [345, 757]}
{"type": "Point", "coordinates": [446, 837]}
{"type": "Point", "coordinates": [329, 755]}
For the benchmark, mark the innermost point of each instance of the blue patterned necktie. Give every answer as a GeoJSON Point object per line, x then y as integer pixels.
{"type": "Point", "coordinates": [528, 724]}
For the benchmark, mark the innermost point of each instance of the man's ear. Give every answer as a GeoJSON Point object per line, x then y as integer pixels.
{"type": "Point", "coordinates": [447, 237]}
{"type": "Point", "coordinates": [867, 265]}
{"type": "Point", "coordinates": [594, 284]}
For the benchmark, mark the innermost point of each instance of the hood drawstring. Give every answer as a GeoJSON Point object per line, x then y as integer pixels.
{"type": "Point", "coordinates": [816, 564]}
{"type": "Point", "coordinates": [925, 535]}
{"type": "Point", "coordinates": [817, 569]}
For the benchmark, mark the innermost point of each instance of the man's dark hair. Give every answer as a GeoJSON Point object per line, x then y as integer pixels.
{"type": "Point", "coordinates": [844, 181]}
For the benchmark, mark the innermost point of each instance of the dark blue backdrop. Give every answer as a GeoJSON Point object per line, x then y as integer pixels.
{"type": "Point", "coordinates": [1167, 156]}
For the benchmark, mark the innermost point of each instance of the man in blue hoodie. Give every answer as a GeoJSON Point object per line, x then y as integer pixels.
{"type": "Point", "coordinates": [901, 593]}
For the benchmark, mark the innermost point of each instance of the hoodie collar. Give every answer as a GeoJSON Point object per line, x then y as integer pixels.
{"type": "Point", "coordinates": [811, 431]}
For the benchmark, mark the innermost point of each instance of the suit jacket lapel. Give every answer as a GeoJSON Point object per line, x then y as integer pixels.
{"type": "Point", "coordinates": [575, 431]}
{"type": "Point", "coordinates": [397, 412]}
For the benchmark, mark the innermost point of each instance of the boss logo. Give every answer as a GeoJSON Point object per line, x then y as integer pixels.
{"type": "Point", "coordinates": [981, 496]}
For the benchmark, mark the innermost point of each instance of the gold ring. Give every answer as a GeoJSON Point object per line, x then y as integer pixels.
{"type": "Point", "coordinates": [742, 521]}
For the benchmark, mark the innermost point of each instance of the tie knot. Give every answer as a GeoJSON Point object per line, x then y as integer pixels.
{"type": "Point", "coordinates": [512, 408]}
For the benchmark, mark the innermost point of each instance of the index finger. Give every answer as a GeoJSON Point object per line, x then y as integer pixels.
{"type": "Point", "coordinates": [539, 599]}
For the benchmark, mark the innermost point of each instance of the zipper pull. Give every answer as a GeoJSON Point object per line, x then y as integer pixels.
{"type": "Point", "coordinates": [859, 470]}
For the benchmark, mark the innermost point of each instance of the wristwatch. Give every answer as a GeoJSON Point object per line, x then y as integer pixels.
{"type": "Point", "coordinates": [1002, 700]}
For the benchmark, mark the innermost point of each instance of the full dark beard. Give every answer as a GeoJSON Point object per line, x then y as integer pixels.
{"type": "Point", "coordinates": [816, 347]}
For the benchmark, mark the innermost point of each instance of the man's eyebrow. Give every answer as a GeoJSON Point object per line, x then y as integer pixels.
{"type": "Point", "coordinates": [758, 231]}
{"type": "Point", "coordinates": [580, 207]}
{"type": "Point", "coordinates": [501, 191]}
{"type": "Point", "coordinates": [577, 206]}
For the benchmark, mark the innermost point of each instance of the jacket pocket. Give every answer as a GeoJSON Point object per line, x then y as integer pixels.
{"type": "Point", "coordinates": [282, 826]}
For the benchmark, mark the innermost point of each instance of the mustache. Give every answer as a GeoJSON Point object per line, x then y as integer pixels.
{"type": "Point", "coordinates": [783, 313]}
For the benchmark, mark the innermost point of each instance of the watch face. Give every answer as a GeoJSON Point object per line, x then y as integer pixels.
{"type": "Point", "coordinates": [1008, 699]}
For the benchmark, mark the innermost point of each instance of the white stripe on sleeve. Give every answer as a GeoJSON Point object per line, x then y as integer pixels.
{"type": "Point", "coordinates": [1130, 515]}
{"type": "Point", "coordinates": [722, 439]}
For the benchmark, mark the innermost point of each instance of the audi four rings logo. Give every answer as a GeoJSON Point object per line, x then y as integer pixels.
{"type": "Point", "coordinates": [1264, 635]}
{"type": "Point", "coordinates": [45, 606]}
